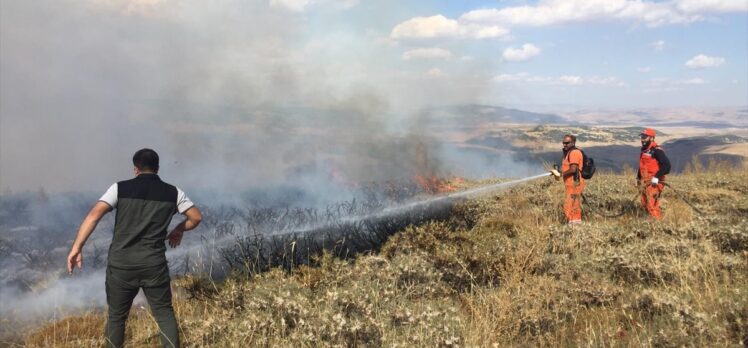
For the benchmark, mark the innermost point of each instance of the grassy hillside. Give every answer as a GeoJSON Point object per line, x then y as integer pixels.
{"type": "Point", "coordinates": [503, 271]}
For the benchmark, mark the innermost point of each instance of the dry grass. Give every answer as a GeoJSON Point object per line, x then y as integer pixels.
{"type": "Point", "coordinates": [503, 272]}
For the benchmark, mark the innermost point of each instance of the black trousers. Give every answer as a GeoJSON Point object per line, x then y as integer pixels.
{"type": "Point", "coordinates": [121, 287]}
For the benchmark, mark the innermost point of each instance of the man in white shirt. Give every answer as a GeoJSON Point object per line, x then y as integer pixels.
{"type": "Point", "coordinates": [137, 256]}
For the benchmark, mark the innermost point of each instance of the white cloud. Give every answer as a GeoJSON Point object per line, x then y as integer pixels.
{"type": "Point", "coordinates": [604, 81]}
{"type": "Point", "coordinates": [494, 22]}
{"type": "Point", "coordinates": [467, 58]}
{"type": "Point", "coordinates": [658, 45]}
{"type": "Point", "coordinates": [484, 32]}
{"type": "Point", "coordinates": [439, 26]}
{"type": "Point", "coordinates": [703, 61]}
{"type": "Point", "coordinates": [707, 6]}
{"type": "Point", "coordinates": [303, 5]}
{"type": "Point", "coordinates": [551, 12]}
{"type": "Point", "coordinates": [427, 53]}
{"type": "Point", "coordinates": [568, 80]}
{"type": "Point", "coordinates": [426, 27]}
{"type": "Point", "coordinates": [510, 77]}
{"type": "Point", "coordinates": [523, 53]}
{"type": "Point", "coordinates": [644, 69]}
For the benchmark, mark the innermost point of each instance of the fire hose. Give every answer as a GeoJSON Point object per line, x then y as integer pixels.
{"type": "Point", "coordinates": [555, 172]}
{"type": "Point", "coordinates": [586, 202]}
{"type": "Point", "coordinates": [557, 175]}
{"type": "Point", "coordinates": [677, 193]}
{"type": "Point", "coordinates": [683, 198]}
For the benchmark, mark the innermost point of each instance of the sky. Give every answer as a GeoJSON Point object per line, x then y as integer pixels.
{"type": "Point", "coordinates": [85, 83]}
{"type": "Point", "coordinates": [573, 53]}
{"type": "Point", "coordinates": [599, 53]}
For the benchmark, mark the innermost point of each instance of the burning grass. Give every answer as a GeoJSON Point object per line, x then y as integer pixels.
{"type": "Point", "coordinates": [498, 271]}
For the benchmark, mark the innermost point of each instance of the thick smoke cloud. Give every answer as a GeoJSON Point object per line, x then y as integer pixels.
{"type": "Point", "coordinates": [231, 93]}
{"type": "Point", "coordinates": [219, 89]}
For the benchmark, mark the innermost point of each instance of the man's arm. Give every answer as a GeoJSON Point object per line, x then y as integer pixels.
{"type": "Point", "coordinates": [663, 161]}
{"type": "Point", "coordinates": [575, 159]}
{"type": "Point", "coordinates": [573, 168]}
{"type": "Point", "coordinates": [75, 258]}
{"type": "Point", "coordinates": [193, 217]}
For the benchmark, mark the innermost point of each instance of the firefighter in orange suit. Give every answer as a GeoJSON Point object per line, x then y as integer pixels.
{"type": "Point", "coordinates": [653, 166]}
{"type": "Point", "coordinates": [571, 172]}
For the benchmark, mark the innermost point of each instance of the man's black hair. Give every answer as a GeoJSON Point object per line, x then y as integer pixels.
{"type": "Point", "coordinates": [572, 137]}
{"type": "Point", "coordinates": [146, 160]}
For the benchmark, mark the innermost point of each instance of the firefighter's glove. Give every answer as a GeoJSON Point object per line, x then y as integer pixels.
{"type": "Point", "coordinates": [555, 174]}
{"type": "Point", "coordinates": [655, 181]}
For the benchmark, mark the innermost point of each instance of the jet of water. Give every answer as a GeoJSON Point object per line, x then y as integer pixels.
{"type": "Point", "coordinates": [400, 209]}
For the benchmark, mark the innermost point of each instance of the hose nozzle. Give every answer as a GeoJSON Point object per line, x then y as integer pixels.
{"type": "Point", "coordinates": [556, 174]}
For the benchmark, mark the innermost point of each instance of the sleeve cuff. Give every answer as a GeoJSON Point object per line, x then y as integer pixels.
{"type": "Point", "coordinates": [182, 211]}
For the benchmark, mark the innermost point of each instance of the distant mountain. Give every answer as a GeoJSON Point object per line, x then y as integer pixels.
{"type": "Point", "coordinates": [704, 141]}
{"type": "Point", "coordinates": [695, 124]}
{"type": "Point", "coordinates": [680, 152]}
{"type": "Point", "coordinates": [478, 114]}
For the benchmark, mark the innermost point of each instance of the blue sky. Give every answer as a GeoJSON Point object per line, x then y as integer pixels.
{"type": "Point", "coordinates": [603, 53]}
{"type": "Point", "coordinates": [404, 54]}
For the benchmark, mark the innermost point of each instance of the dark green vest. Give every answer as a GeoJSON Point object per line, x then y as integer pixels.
{"type": "Point", "coordinates": [145, 206]}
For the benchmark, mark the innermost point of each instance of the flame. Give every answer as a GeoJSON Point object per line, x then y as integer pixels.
{"type": "Point", "coordinates": [435, 185]}
{"type": "Point", "coordinates": [426, 176]}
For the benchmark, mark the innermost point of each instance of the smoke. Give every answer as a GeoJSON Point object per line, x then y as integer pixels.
{"type": "Point", "coordinates": [67, 296]}
{"type": "Point", "coordinates": [230, 93]}
{"type": "Point", "coordinates": [85, 83]}
{"type": "Point", "coordinates": [242, 99]}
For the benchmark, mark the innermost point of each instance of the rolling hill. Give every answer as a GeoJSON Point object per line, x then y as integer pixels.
{"type": "Point", "coordinates": [500, 271]}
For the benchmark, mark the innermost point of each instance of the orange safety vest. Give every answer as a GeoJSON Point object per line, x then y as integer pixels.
{"type": "Point", "coordinates": [648, 165]}
{"type": "Point", "coordinates": [566, 164]}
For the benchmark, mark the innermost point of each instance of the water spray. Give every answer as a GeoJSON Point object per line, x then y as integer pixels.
{"type": "Point", "coordinates": [400, 209]}
{"type": "Point", "coordinates": [345, 237]}
{"type": "Point", "coordinates": [374, 228]}
{"type": "Point", "coordinates": [476, 191]}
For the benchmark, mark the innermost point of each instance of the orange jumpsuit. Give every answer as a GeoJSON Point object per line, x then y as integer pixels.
{"type": "Point", "coordinates": [574, 188]}
{"type": "Point", "coordinates": [648, 168]}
